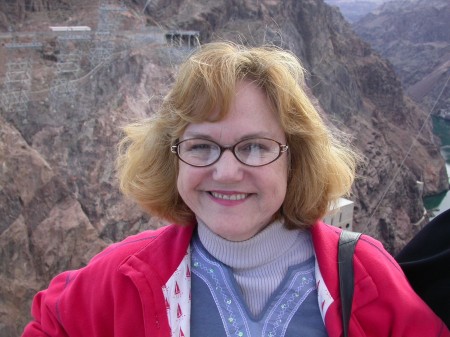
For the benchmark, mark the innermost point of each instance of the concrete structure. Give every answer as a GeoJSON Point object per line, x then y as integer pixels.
{"type": "Point", "coordinates": [70, 28]}
{"type": "Point", "coordinates": [72, 32]}
{"type": "Point", "coordinates": [341, 215]}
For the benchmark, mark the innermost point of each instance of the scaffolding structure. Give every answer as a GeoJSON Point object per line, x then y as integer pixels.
{"type": "Point", "coordinates": [108, 24]}
{"type": "Point", "coordinates": [17, 83]}
{"type": "Point", "coordinates": [76, 46]}
{"type": "Point", "coordinates": [68, 67]}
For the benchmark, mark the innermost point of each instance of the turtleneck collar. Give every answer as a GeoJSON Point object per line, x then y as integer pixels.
{"type": "Point", "coordinates": [266, 246]}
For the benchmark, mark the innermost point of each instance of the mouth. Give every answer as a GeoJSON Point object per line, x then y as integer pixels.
{"type": "Point", "coordinates": [232, 196]}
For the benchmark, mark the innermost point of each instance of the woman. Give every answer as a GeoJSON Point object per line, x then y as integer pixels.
{"type": "Point", "coordinates": [242, 164]}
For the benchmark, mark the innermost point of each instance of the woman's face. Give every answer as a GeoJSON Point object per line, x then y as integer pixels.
{"type": "Point", "coordinates": [234, 200]}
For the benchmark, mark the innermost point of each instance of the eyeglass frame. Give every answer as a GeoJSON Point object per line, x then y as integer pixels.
{"type": "Point", "coordinates": [283, 148]}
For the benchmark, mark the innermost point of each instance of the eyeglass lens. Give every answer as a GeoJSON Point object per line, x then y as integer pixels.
{"type": "Point", "coordinates": [253, 152]}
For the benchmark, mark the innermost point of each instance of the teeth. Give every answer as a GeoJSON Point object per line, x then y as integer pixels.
{"type": "Point", "coordinates": [229, 196]}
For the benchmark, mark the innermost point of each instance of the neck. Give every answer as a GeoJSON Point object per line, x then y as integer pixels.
{"type": "Point", "coordinates": [269, 244]}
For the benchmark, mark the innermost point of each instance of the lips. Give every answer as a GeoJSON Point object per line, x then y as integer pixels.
{"type": "Point", "coordinates": [232, 197]}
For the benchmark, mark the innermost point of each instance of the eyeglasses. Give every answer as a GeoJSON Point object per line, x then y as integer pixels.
{"type": "Point", "coordinates": [200, 152]}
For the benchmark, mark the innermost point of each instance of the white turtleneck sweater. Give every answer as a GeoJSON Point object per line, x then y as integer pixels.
{"type": "Point", "coordinates": [260, 263]}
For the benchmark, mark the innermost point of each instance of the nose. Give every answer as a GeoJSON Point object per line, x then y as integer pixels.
{"type": "Point", "coordinates": [228, 168]}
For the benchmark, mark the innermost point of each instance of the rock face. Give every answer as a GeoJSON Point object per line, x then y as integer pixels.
{"type": "Point", "coordinates": [43, 227]}
{"type": "Point", "coordinates": [353, 10]}
{"type": "Point", "coordinates": [59, 200]}
{"type": "Point", "coordinates": [415, 37]}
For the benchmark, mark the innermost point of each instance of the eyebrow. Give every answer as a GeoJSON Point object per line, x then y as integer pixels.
{"type": "Point", "coordinates": [190, 135]}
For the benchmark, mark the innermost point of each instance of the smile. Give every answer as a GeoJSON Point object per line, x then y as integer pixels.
{"type": "Point", "coordinates": [233, 197]}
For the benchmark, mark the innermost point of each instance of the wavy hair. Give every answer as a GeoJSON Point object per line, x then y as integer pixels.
{"type": "Point", "coordinates": [322, 168]}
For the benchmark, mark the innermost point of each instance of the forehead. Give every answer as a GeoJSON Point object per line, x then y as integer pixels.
{"type": "Point", "coordinates": [250, 115]}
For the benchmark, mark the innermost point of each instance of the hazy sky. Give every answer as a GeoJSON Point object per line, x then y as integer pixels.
{"type": "Point", "coordinates": [349, 1]}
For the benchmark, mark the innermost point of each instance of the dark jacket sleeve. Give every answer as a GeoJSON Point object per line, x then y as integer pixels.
{"type": "Point", "coordinates": [426, 262]}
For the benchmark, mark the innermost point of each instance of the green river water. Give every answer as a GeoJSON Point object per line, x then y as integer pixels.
{"type": "Point", "coordinates": [441, 202]}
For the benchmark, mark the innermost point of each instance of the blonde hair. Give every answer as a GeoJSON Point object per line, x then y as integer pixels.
{"type": "Point", "coordinates": [322, 169]}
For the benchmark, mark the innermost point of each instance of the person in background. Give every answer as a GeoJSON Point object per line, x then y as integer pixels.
{"type": "Point", "coordinates": [242, 164]}
{"type": "Point", "coordinates": [426, 259]}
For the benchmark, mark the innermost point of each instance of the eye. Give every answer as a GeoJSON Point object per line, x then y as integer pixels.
{"type": "Point", "coordinates": [198, 147]}
{"type": "Point", "coordinates": [252, 146]}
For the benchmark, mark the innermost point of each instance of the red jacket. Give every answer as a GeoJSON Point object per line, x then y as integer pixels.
{"type": "Point", "coordinates": [119, 293]}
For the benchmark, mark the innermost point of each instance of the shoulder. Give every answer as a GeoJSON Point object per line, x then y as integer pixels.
{"type": "Point", "coordinates": [149, 246]}
{"type": "Point", "coordinates": [115, 273]}
{"type": "Point", "coordinates": [82, 302]}
{"type": "Point", "coordinates": [326, 237]}
{"type": "Point", "coordinates": [374, 267]}
{"type": "Point", "coordinates": [383, 299]}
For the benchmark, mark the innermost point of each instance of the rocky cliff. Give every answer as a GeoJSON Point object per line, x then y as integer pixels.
{"type": "Point", "coordinates": [59, 201]}
{"type": "Point", "coordinates": [415, 36]}
{"type": "Point", "coordinates": [353, 10]}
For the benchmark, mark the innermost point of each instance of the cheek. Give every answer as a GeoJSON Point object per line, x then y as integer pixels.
{"type": "Point", "coordinates": [188, 179]}
{"type": "Point", "coordinates": [281, 178]}
{"type": "Point", "coordinates": [181, 180]}
{"type": "Point", "coordinates": [280, 191]}
{"type": "Point", "coordinates": [283, 170]}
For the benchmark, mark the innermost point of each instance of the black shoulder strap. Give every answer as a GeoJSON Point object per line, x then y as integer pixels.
{"type": "Point", "coordinates": [347, 243]}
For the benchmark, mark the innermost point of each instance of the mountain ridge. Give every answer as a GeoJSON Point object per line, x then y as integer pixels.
{"type": "Point", "coordinates": [415, 37]}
